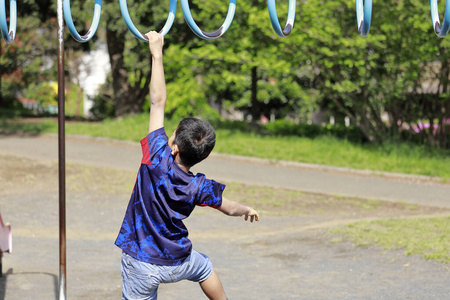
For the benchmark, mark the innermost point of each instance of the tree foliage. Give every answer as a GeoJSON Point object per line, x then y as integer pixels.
{"type": "Point", "coordinates": [29, 58]}
{"type": "Point", "coordinates": [392, 85]}
{"type": "Point", "coordinates": [397, 75]}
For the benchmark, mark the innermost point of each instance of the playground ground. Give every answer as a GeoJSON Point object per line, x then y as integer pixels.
{"type": "Point", "coordinates": [284, 256]}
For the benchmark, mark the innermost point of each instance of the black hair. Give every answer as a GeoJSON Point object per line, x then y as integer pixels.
{"type": "Point", "coordinates": [195, 139]}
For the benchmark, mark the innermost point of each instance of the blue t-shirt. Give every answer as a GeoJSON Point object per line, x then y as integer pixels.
{"type": "Point", "coordinates": [163, 195]}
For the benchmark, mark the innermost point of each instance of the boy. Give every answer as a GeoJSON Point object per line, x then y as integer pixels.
{"type": "Point", "coordinates": [154, 241]}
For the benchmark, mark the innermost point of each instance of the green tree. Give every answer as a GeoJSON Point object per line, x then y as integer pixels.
{"type": "Point", "coordinates": [245, 68]}
{"type": "Point", "coordinates": [129, 57]}
{"type": "Point", "coordinates": [385, 74]}
{"type": "Point", "coordinates": [397, 75]}
{"type": "Point", "coordinates": [28, 63]}
{"type": "Point", "coordinates": [28, 59]}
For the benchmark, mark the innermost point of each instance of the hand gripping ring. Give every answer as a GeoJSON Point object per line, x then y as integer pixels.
{"type": "Point", "coordinates": [274, 18]}
{"type": "Point", "coordinates": [208, 35]}
{"type": "Point", "coordinates": [71, 26]}
{"type": "Point", "coordinates": [136, 32]}
{"type": "Point", "coordinates": [363, 16]}
{"type": "Point", "coordinates": [8, 34]}
{"type": "Point", "coordinates": [440, 31]}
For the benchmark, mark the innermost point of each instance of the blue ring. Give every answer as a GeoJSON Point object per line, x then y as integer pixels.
{"type": "Point", "coordinates": [274, 18]}
{"type": "Point", "coordinates": [71, 26]}
{"type": "Point", "coordinates": [363, 16]}
{"type": "Point", "coordinates": [136, 32]}
{"type": "Point", "coordinates": [208, 35]}
{"type": "Point", "coordinates": [8, 34]}
{"type": "Point", "coordinates": [440, 31]}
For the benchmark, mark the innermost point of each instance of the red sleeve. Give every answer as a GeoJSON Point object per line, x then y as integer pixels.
{"type": "Point", "coordinates": [152, 143]}
{"type": "Point", "coordinates": [145, 152]}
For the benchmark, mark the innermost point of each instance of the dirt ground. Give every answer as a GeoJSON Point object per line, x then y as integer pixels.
{"type": "Point", "coordinates": [289, 254]}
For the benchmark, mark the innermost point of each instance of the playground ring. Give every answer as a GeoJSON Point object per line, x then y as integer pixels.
{"type": "Point", "coordinates": [8, 34]}
{"type": "Point", "coordinates": [440, 31]}
{"type": "Point", "coordinates": [208, 35]}
{"type": "Point", "coordinates": [274, 18]}
{"type": "Point", "coordinates": [363, 16]}
{"type": "Point", "coordinates": [135, 31]}
{"type": "Point", "coordinates": [69, 22]}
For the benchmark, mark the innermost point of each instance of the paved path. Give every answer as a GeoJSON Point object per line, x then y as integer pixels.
{"type": "Point", "coordinates": [126, 155]}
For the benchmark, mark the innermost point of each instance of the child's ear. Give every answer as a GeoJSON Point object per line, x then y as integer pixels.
{"type": "Point", "coordinates": [175, 150]}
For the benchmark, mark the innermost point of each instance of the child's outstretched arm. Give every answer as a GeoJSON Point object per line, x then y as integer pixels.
{"type": "Point", "coordinates": [158, 94]}
{"type": "Point", "coordinates": [233, 208]}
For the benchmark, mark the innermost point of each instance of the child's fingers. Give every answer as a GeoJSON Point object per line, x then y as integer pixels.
{"type": "Point", "coordinates": [154, 36]}
{"type": "Point", "coordinates": [149, 35]}
{"type": "Point", "coordinates": [252, 218]}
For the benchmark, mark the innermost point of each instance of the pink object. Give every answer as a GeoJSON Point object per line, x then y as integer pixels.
{"type": "Point", "coordinates": [264, 120]}
{"type": "Point", "coordinates": [5, 237]}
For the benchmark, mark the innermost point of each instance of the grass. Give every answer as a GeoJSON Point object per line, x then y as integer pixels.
{"type": "Point", "coordinates": [428, 237]}
{"type": "Point", "coordinates": [399, 158]}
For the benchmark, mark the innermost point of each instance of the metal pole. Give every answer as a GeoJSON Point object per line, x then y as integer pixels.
{"type": "Point", "coordinates": [61, 156]}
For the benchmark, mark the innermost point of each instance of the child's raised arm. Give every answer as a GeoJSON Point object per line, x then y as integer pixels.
{"type": "Point", "coordinates": [158, 94]}
{"type": "Point", "coordinates": [233, 208]}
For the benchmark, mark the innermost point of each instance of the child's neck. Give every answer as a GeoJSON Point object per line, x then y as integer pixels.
{"type": "Point", "coordinates": [183, 167]}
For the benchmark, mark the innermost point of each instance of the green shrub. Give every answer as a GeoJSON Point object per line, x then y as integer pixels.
{"type": "Point", "coordinates": [289, 128]}
{"type": "Point", "coordinates": [103, 107]}
{"type": "Point", "coordinates": [230, 125]}
{"type": "Point", "coordinates": [45, 93]}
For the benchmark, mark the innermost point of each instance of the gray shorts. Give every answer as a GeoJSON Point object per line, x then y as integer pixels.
{"type": "Point", "coordinates": [141, 280]}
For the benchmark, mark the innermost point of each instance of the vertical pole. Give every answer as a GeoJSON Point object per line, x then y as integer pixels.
{"type": "Point", "coordinates": [61, 156]}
